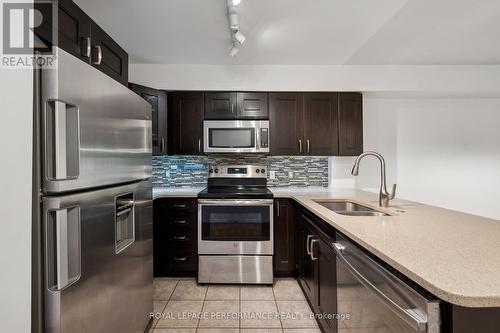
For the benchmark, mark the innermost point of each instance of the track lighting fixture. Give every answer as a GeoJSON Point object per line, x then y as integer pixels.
{"type": "Point", "coordinates": [234, 50]}
{"type": "Point", "coordinates": [237, 37]}
{"type": "Point", "coordinates": [240, 38]}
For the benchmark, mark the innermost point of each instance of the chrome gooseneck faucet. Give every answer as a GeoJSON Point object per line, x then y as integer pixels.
{"type": "Point", "coordinates": [384, 195]}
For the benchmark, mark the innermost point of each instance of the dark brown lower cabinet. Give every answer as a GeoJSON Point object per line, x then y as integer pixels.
{"type": "Point", "coordinates": [317, 270]}
{"type": "Point", "coordinates": [284, 240]}
{"type": "Point", "coordinates": [175, 247]}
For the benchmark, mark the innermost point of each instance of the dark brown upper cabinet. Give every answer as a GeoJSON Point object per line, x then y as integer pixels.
{"type": "Point", "coordinates": [321, 124]}
{"type": "Point", "coordinates": [185, 123]}
{"type": "Point", "coordinates": [74, 30]}
{"type": "Point", "coordinates": [252, 105]}
{"type": "Point", "coordinates": [286, 122]}
{"type": "Point", "coordinates": [350, 124]}
{"type": "Point", "coordinates": [108, 56]}
{"type": "Point", "coordinates": [83, 38]}
{"type": "Point", "coordinates": [220, 105]}
{"type": "Point", "coordinates": [236, 105]}
{"type": "Point", "coordinates": [158, 100]}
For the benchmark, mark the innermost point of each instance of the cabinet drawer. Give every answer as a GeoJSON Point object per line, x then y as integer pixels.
{"type": "Point", "coordinates": [180, 261]}
{"type": "Point", "coordinates": [187, 206]}
{"type": "Point", "coordinates": [181, 221]}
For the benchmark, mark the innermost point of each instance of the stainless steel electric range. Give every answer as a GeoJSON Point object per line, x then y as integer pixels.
{"type": "Point", "coordinates": [235, 226]}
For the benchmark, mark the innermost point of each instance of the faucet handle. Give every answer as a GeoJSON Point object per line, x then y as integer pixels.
{"type": "Point", "coordinates": [393, 192]}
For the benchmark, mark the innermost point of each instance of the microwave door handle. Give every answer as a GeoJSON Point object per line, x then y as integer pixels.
{"type": "Point", "coordinates": [257, 138]}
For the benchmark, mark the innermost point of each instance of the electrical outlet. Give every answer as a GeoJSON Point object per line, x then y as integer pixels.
{"type": "Point", "coordinates": [290, 174]}
{"type": "Point", "coordinates": [272, 174]}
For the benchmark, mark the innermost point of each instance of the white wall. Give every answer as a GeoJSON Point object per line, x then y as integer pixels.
{"type": "Point", "coordinates": [451, 80]}
{"type": "Point", "coordinates": [16, 106]}
{"type": "Point", "coordinates": [440, 151]}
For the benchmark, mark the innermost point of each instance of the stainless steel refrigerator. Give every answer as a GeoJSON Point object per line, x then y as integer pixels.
{"type": "Point", "coordinates": [93, 264]}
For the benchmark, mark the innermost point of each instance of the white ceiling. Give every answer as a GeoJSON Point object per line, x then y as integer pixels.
{"type": "Point", "coordinates": [305, 32]}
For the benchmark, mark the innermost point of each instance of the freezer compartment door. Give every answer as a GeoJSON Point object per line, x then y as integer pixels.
{"type": "Point", "coordinates": [98, 260]}
{"type": "Point", "coordinates": [95, 131]}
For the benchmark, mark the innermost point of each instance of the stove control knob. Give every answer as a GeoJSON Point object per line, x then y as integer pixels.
{"type": "Point", "coordinates": [216, 170]}
{"type": "Point", "coordinates": [257, 170]}
{"type": "Point", "coordinates": [262, 170]}
{"type": "Point", "coordinates": [211, 170]}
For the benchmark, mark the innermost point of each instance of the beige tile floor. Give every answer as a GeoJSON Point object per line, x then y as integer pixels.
{"type": "Point", "coordinates": [186, 307]}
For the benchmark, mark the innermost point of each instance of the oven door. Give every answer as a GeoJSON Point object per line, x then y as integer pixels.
{"type": "Point", "coordinates": [235, 227]}
{"type": "Point", "coordinates": [235, 136]}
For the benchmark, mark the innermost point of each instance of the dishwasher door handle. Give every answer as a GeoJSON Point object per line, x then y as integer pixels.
{"type": "Point", "coordinates": [409, 316]}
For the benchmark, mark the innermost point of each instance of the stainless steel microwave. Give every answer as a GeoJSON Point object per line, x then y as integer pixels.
{"type": "Point", "coordinates": [236, 136]}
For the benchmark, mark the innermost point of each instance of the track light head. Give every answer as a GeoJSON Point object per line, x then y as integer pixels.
{"type": "Point", "coordinates": [234, 21]}
{"type": "Point", "coordinates": [234, 50]}
{"type": "Point", "coordinates": [231, 3]}
{"type": "Point", "coordinates": [240, 38]}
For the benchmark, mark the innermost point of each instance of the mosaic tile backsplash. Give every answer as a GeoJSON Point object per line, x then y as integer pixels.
{"type": "Point", "coordinates": [183, 171]}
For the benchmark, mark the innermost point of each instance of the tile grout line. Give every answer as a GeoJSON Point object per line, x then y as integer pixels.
{"type": "Point", "coordinates": [276, 302]}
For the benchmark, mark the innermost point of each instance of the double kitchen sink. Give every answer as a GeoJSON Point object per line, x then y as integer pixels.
{"type": "Point", "coordinates": [349, 208]}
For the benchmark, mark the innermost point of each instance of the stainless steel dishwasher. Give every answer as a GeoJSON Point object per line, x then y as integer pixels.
{"type": "Point", "coordinates": [377, 299]}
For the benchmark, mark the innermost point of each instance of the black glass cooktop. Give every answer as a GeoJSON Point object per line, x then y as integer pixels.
{"type": "Point", "coordinates": [236, 192]}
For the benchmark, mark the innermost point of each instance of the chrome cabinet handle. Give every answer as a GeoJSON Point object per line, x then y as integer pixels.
{"type": "Point", "coordinates": [199, 145]}
{"type": "Point", "coordinates": [232, 108]}
{"type": "Point", "coordinates": [180, 258]}
{"type": "Point", "coordinates": [408, 315]}
{"type": "Point", "coordinates": [300, 146]}
{"type": "Point", "coordinates": [308, 147]}
{"type": "Point", "coordinates": [313, 242]}
{"type": "Point", "coordinates": [277, 208]}
{"type": "Point", "coordinates": [179, 237]}
{"type": "Point", "coordinates": [86, 51]}
{"type": "Point", "coordinates": [308, 244]}
{"type": "Point", "coordinates": [162, 145]}
{"type": "Point", "coordinates": [99, 55]}
{"type": "Point", "coordinates": [179, 205]}
{"type": "Point", "coordinates": [179, 222]}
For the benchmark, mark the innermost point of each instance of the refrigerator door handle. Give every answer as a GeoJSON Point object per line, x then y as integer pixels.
{"type": "Point", "coordinates": [63, 247]}
{"type": "Point", "coordinates": [62, 140]}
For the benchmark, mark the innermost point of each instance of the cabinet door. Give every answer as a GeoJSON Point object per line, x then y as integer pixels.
{"type": "Point", "coordinates": [286, 122]}
{"type": "Point", "coordinates": [185, 123]}
{"type": "Point", "coordinates": [74, 30]}
{"type": "Point", "coordinates": [108, 56]}
{"type": "Point", "coordinates": [158, 101]}
{"type": "Point", "coordinates": [308, 266]}
{"type": "Point", "coordinates": [350, 124]}
{"type": "Point", "coordinates": [327, 284]}
{"type": "Point", "coordinates": [321, 124]}
{"type": "Point", "coordinates": [284, 240]}
{"type": "Point", "coordinates": [220, 105]}
{"type": "Point", "coordinates": [252, 105]}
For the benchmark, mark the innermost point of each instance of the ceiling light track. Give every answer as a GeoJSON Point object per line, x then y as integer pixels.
{"type": "Point", "coordinates": [237, 37]}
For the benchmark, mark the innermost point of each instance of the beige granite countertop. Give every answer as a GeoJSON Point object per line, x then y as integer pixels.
{"type": "Point", "coordinates": [454, 255]}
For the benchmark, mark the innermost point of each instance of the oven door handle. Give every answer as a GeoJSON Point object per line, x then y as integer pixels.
{"type": "Point", "coordinates": [224, 202]}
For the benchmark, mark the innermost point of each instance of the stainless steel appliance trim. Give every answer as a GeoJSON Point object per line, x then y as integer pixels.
{"type": "Point", "coordinates": [236, 247]}
{"type": "Point", "coordinates": [257, 125]}
{"type": "Point", "coordinates": [408, 315]}
{"type": "Point", "coordinates": [251, 171]}
{"type": "Point", "coordinates": [235, 269]}
{"type": "Point", "coordinates": [228, 202]}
